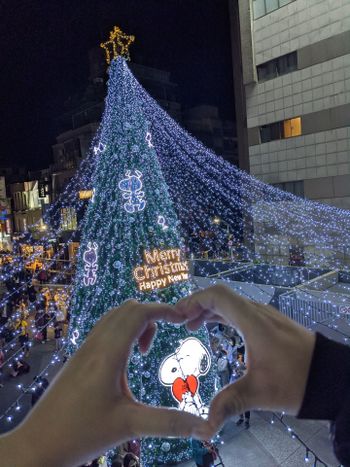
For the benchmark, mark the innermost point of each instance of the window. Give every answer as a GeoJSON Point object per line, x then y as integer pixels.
{"type": "Point", "coordinates": [287, 63]}
{"type": "Point", "coordinates": [264, 7]}
{"type": "Point", "coordinates": [280, 130]}
{"type": "Point", "coordinates": [292, 127]}
{"type": "Point", "coordinates": [271, 5]}
{"type": "Point", "coordinates": [68, 219]}
{"type": "Point", "coordinates": [297, 187]}
{"type": "Point", "coordinates": [85, 194]}
{"type": "Point", "coordinates": [277, 67]}
{"type": "Point", "coordinates": [271, 132]}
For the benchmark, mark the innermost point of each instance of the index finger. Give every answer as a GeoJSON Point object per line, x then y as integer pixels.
{"type": "Point", "coordinates": [124, 325]}
{"type": "Point", "coordinates": [222, 304]}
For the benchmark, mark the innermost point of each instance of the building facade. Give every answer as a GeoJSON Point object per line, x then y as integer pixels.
{"type": "Point", "coordinates": [204, 122]}
{"type": "Point", "coordinates": [28, 205]}
{"type": "Point", "coordinates": [5, 217]}
{"type": "Point", "coordinates": [296, 78]}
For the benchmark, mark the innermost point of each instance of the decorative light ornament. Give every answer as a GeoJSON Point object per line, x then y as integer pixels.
{"type": "Point", "coordinates": [165, 447]}
{"type": "Point", "coordinates": [181, 371]}
{"type": "Point", "coordinates": [161, 221]}
{"type": "Point", "coordinates": [99, 149]}
{"type": "Point", "coordinates": [117, 45]}
{"type": "Point", "coordinates": [132, 186]}
{"type": "Point", "coordinates": [90, 264]}
{"type": "Point", "coordinates": [118, 265]}
{"type": "Point", "coordinates": [149, 139]}
{"type": "Point", "coordinates": [75, 336]}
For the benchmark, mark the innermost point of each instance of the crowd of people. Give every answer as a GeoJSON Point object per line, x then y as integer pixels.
{"type": "Point", "coordinates": [28, 312]}
{"type": "Point", "coordinates": [229, 351]}
{"type": "Point", "coordinates": [126, 455]}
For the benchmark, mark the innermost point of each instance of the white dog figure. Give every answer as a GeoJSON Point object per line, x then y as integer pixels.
{"type": "Point", "coordinates": [182, 370]}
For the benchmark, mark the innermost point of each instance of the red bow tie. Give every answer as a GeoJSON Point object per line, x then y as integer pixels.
{"type": "Point", "coordinates": [181, 386]}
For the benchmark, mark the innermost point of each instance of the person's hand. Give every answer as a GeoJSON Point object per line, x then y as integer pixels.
{"type": "Point", "coordinates": [278, 353]}
{"type": "Point", "coordinates": [89, 408]}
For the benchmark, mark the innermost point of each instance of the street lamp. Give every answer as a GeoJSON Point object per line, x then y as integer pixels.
{"type": "Point", "coordinates": [217, 220]}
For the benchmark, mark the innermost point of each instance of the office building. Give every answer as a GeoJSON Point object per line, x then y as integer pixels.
{"type": "Point", "coordinates": [293, 87]}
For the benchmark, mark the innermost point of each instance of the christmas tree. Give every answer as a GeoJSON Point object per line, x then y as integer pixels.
{"type": "Point", "coordinates": [131, 248]}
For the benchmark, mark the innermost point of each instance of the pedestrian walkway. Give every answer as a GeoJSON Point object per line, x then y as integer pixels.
{"type": "Point", "coordinates": [270, 445]}
{"type": "Point", "coordinates": [39, 357]}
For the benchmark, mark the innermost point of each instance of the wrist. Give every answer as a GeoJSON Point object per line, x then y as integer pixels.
{"type": "Point", "coordinates": [15, 452]}
{"type": "Point", "coordinates": [19, 449]}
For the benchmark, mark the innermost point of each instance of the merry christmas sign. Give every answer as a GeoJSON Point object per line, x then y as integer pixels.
{"type": "Point", "coordinates": [161, 269]}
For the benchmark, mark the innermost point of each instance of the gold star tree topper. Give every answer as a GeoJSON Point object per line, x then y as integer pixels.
{"type": "Point", "coordinates": [117, 45]}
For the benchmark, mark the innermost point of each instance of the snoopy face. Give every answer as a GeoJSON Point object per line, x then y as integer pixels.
{"type": "Point", "coordinates": [191, 358]}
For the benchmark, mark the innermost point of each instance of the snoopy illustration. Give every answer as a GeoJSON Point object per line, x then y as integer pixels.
{"type": "Point", "coordinates": [181, 371]}
{"type": "Point", "coordinates": [90, 264]}
{"type": "Point", "coordinates": [132, 186]}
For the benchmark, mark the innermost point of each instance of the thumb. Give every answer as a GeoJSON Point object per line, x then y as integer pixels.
{"type": "Point", "coordinates": [230, 401]}
{"type": "Point", "coordinates": [162, 422]}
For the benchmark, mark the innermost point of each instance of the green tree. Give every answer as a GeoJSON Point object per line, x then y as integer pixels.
{"type": "Point", "coordinates": [130, 248]}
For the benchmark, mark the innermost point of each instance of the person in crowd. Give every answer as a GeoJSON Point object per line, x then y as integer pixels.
{"type": "Point", "coordinates": [10, 307]}
{"type": "Point", "coordinates": [8, 331]}
{"type": "Point", "coordinates": [23, 308]}
{"type": "Point", "coordinates": [23, 338]}
{"type": "Point", "coordinates": [2, 361]}
{"type": "Point", "coordinates": [223, 367]}
{"type": "Point", "coordinates": [238, 371]}
{"type": "Point", "coordinates": [41, 384]}
{"type": "Point", "coordinates": [46, 319]}
{"type": "Point", "coordinates": [68, 317]}
{"type": "Point", "coordinates": [130, 460]}
{"type": "Point", "coordinates": [134, 446]}
{"type": "Point", "coordinates": [19, 367]}
{"type": "Point", "coordinates": [214, 344]}
{"type": "Point", "coordinates": [203, 453]}
{"type": "Point", "coordinates": [285, 371]}
{"type": "Point", "coordinates": [52, 308]}
{"type": "Point", "coordinates": [39, 322]}
{"type": "Point", "coordinates": [58, 332]}
{"type": "Point", "coordinates": [228, 344]}
{"type": "Point", "coordinates": [43, 276]}
{"type": "Point", "coordinates": [93, 463]}
{"type": "Point", "coordinates": [31, 292]}
{"type": "Point", "coordinates": [4, 316]}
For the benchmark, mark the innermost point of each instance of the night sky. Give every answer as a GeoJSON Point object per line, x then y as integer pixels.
{"type": "Point", "coordinates": [44, 59]}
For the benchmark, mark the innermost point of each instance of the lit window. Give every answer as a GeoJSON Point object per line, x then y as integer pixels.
{"type": "Point", "coordinates": [292, 127]}
{"type": "Point", "coordinates": [85, 194]}
{"type": "Point", "coordinates": [68, 219]}
{"type": "Point", "coordinates": [280, 130]}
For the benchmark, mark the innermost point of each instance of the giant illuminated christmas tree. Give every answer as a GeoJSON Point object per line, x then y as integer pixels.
{"type": "Point", "coordinates": [130, 248]}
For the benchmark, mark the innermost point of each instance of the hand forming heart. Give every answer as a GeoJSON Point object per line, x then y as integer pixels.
{"type": "Point", "coordinates": [278, 350]}
{"type": "Point", "coordinates": [89, 408]}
